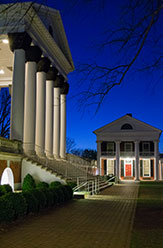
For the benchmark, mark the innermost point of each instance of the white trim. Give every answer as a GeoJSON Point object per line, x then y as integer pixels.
{"type": "Point", "coordinates": [149, 167]}
{"type": "Point", "coordinates": [108, 166]}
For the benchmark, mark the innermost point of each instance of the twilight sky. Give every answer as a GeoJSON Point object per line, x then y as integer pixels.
{"type": "Point", "coordinates": [140, 94]}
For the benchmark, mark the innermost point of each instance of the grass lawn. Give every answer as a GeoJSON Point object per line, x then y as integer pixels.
{"type": "Point", "coordinates": [148, 223]}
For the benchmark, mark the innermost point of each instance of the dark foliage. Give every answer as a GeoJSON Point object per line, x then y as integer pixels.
{"type": "Point", "coordinates": [4, 189]}
{"type": "Point", "coordinates": [28, 183]}
{"type": "Point", "coordinates": [7, 212]}
{"type": "Point", "coordinates": [18, 202]}
{"type": "Point", "coordinates": [32, 202]}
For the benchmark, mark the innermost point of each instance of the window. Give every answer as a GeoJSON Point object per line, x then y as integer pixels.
{"type": "Point", "coordinates": [128, 147]}
{"type": "Point", "coordinates": [126, 126]}
{"type": "Point", "coordinates": [146, 168]}
{"type": "Point", "coordinates": [146, 147]}
{"type": "Point", "coordinates": [110, 169]}
{"type": "Point", "coordinates": [110, 147]}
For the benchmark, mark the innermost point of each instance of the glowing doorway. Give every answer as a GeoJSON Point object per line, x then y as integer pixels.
{"type": "Point", "coordinates": [8, 178]}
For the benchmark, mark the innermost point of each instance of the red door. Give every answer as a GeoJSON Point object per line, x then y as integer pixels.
{"type": "Point", "coordinates": [128, 170]}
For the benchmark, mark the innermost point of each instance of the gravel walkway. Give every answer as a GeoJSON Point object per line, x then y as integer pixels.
{"type": "Point", "coordinates": [102, 221]}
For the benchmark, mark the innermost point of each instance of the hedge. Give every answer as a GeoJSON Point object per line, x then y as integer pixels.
{"type": "Point", "coordinates": [28, 183]}
{"type": "Point", "coordinates": [40, 196]}
{"type": "Point", "coordinates": [18, 203]}
{"type": "Point", "coordinates": [32, 202]}
{"type": "Point", "coordinates": [42, 185]}
{"type": "Point", "coordinates": [7, 213]}
{"type": "Point", "coordinates": [4, 189]}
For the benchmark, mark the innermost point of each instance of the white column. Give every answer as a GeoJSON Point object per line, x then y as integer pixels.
{"type": "Point", "coordinates": [137, 160]}
{"type": "Point", "coordinates": [56, 123]}
{"type": "Point", "coordinates": [156, 160]}
{"type": "Point", "coordinates": [40, 113]}
{"type": "Point", "coordinates": [17, 99]}
{"type": "Point", "coordinates": [99, 157]}
{"type": "Point", "coordinates": [29, 108]}
{"type": "Point", "coordinates": [49, 119]}
{"type": "Point", "coordinates": [117, 158]}
{"type": "Point", "coordinates": [63, 126]}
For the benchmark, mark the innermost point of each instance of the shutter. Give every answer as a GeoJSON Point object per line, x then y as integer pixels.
{"type": "Point", "coordinates": [141, 168]}
{"type": "Point", "coordinates": [133, 168]}
{"type": "Point", "coordinates": [152, 167]}
{"type": "Point", "coordinates": [122, 168]}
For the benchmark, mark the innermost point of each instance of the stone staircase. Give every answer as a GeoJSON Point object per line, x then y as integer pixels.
{"type": "Point", "coordinates": [67, 170]}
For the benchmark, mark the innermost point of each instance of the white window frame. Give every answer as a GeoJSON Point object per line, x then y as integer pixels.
{"type": "Point", "coordinates": [128, 143]}
{"type": "Point", "coordinates": [126, 161]}
{"type": "Point", "coordinates": [108, 166]}
{"type": "Point", "coordinates": [149, 167]}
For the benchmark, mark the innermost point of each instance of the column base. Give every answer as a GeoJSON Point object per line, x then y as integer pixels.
{"type": "Point", "coordinates": [57, 157]}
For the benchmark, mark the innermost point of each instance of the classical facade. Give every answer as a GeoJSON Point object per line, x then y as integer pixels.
{"type": "Point", "coordinates": [129, 149]}
{"type": "Point", "coordinates": [35, 60]}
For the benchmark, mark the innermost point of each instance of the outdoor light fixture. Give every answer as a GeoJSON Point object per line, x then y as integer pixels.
{"type": "Point", "coordinates": [5, 41]}
{"type": "Point", "coordinates": [2, 71]}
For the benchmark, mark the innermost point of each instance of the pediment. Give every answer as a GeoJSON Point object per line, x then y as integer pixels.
{"type": "Point", "coordinates": [126, 124]}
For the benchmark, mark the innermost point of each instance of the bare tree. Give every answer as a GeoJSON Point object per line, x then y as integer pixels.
{"type": "Point", "coordinates": [70, 144]}
{"type": "Point", "coordinates": [138, 34]}
{"type": "Point", "coordinates": [5, 101]}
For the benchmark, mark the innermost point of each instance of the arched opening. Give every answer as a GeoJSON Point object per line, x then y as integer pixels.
{"type": "Point", "coordinates": [8, 178]}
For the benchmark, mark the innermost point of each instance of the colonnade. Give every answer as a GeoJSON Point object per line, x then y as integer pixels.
{"type": "Point", "coordinates": [38, 106]}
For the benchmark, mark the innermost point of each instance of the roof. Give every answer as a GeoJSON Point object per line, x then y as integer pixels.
{"type": "Point", "coordinates": [126, 119]}
{"type": "Point", "coordinates": [36, 20]}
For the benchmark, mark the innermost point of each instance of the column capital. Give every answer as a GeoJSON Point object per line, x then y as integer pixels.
{"type": "Point", "coordinates": [58, 83]}
{"type": "Point", "coordinates": [43, 65]}
{"type": "Point", "coordinates": [52, 74]}
{"type": "Point", "coordinates": [65, 89]}
{"type": "Point", "coordinates": [33, 54]}
{"type": "Point", "coordinates": [19, 41]}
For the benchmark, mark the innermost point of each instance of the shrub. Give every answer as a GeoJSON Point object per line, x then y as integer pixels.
{"type": "Point", "coordinates": [72, 184]}
{"type": "Point", "coordinates": [70, 191]}
{"type": "Point", "coordinates": [55, 184]}
{"type": "Point", "coordinates": [60, 194]}
{"type": "Point", "coordinates": [42, 185]}
{"type": "Point", "coordinates": [40, 196]}
{"type": "Point", "coordinates": [28, 183]}
{"type": "Point", "coordinates": [49, 197]}
{"type": "Point", "coordinates": [18, 203]}
{"type": "Point", "coordinates": [32, 202]}
{"type": "Point", "coordinates": [7, 212]}
{"type": "Point", "coordinates": [65, 192]}
{"type": "Point", "coordinates": [55, 196]}
{"type": "Point", "coordinates": [4, 189]}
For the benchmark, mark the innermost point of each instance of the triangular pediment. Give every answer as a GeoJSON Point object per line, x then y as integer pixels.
{"type": "Point", "coordinates": [53, 22]}
{"type": "Point", "coordinates": [126, 124]}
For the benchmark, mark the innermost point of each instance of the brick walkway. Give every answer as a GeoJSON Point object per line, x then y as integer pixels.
{"type": "Point", "coordinates": [104, 221]}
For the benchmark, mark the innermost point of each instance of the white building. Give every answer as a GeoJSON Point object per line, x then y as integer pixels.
{"type": "Point", "coordinates": [128, 148]}
{"type": "Point", "coordinates": [35, 60]}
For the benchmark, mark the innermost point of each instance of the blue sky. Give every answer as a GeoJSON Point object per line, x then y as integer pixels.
{"type": "Point", "coordinates": [140, 94]}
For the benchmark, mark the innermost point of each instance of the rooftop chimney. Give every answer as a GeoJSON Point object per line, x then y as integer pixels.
{"type": "Point", "coordinates": [129, 114]}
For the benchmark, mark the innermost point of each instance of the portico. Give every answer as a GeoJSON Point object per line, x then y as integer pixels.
{"type": "Point", "coordinates": [128, 148]}
{"type": "Point", "coordinates": [36, 69]}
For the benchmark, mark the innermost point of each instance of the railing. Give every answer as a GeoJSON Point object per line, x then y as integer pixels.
{"type": "Point", "coordinates": [127, 154]}
{"type": "Point", "coordinates": [146, 154]}
{"type": "Point", "coordinates": [70, 168]}
{"type": "Point", "coordinates": [93, 186]}
{"type": "Point", "coordinates": [107, 153]}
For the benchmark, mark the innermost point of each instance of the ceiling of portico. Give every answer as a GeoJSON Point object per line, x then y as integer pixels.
{"type": "Point", "coordinates": [6, 63]}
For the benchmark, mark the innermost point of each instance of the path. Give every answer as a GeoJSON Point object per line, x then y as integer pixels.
{"type": "Point", "coordinates": [92, 223]}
